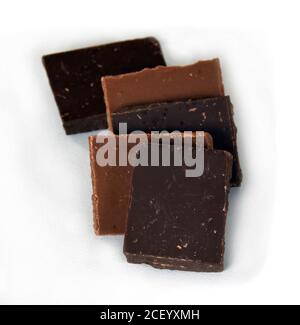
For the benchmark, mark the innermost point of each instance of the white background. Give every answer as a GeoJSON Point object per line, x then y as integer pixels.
{"type": "Point", "coordinates": [48, 251]}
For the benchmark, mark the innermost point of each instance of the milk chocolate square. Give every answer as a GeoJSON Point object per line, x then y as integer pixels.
{"type": "Point", "coordinates": [111, 192]}
{"type": "Point", "coordinates": [74, 77]}
{"type": "Point", "coordinates": [178, 222]}
{"type": "Point", "coordinates": [199, 80]}
{"type": "Point", "coordinates": [111, 186]}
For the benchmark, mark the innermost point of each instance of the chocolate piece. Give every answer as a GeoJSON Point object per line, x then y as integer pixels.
{"type": "Point", "coordinates": [199, 80]}
{"type": "Point", "coordinates": [111, 190]}
{"type": "Point", "coordinates": [176, 222]}
{"type": "Point", "coordinates": [212, 115]}
{"type": "Point", "coordinates": [74, 77]}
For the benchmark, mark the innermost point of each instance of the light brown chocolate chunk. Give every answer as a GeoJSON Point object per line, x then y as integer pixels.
{"type": "Point", "coordinates": [199, 80]}
{"type": "Point", "coordinates": [111, 190]}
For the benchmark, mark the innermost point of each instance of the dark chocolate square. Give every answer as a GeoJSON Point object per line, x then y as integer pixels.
{"type": "Point", "coordinates": [75, 78]}
{"type": "Point", "coordinates": [176, 222]}
{"type": "Point", "coordinates": [212, 115]}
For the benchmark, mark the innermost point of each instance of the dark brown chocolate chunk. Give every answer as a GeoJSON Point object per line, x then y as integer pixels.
{"type": "Point", "coordinates": [199, 80]}
{"type": "Point", "coordinates": [75, 76]}
{"type": "Point", "coordinates": [176, 222]}
{"type": "Point", "coordinates": [212, 115]}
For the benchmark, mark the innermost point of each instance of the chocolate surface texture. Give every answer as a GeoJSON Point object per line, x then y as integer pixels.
{"type": "Point", "coordinates": [212, 115]}
{"type": "Point", "coordinates": [199, 80]}
{"type": "Point", "coordinates": [111, 191]}
{"type": "Point", "coordinates": [75, 76]}
{"type": "Point", "coordinates": [175, 222]}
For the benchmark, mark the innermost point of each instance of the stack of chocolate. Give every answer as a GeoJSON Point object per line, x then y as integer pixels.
{"type": "Point", "coordinates": [169, 220]}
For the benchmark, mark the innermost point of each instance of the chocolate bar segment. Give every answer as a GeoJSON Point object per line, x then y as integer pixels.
{"type": "Point", "coordinates": [74, 77]}
{"type": "Point", "coordinates": [212, 115]}
{"type": "Point", "coordinates": [199, 80]}
{"type": "Point", "coordinates": [176, 222]}
{"type": "Point", "coordinates": [111, 189]}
